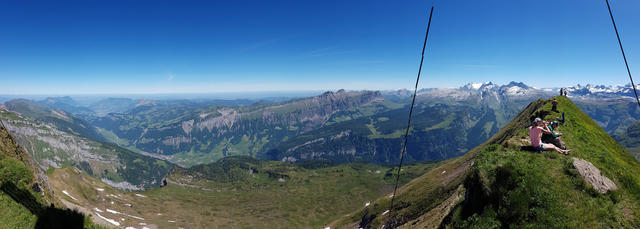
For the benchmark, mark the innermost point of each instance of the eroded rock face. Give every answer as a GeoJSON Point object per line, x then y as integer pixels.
{"type": "Point", "coordinates": [592, 175]}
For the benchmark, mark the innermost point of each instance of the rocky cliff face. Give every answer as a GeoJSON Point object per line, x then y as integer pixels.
{"type": "Point", "coordinates": [218, 131]}
{"type": "Point", "coordinates": [10, 148]}
{"type": "Point", "coordinates": [60, 119]}
{"type": "Point", "coordinates": [50, 147]}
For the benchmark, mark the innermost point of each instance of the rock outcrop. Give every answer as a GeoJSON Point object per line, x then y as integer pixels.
{"type": "Point", "coordinates": [592, 175]}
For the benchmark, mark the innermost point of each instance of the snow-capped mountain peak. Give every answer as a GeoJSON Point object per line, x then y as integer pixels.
{"type": "Point", "coordinates": [515, 88]}
{"type": "Point", "coordinates": [512, 88]}
{"type": "Point", "coordinates": [478, 86]}
{"type": "Point", "coordinates": [601, 90]}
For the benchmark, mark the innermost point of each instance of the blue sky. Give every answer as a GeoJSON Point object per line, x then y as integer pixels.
{"type": "Point", "coordinates": [90, 47]}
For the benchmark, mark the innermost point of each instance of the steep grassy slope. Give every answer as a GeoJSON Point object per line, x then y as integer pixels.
{"type": "Point", "coordinates": [498, 185]}
{"type": "Point", "coordinates": [614, 115]}
{"type": "Point", "coordinates": [238, 192]}
{"type": "Point", "coordinates": [26, 200]}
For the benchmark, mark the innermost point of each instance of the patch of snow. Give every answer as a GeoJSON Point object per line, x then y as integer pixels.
{"type": "Point", "coordinates": [142, 224]}
{"type": "Point", "coordinates": [108, 220]}
{"type": "Point", "coordinates": [159, 214]}
{"type": "Point", "coordinates": [97, 210]}
{"type": "Point", "coordinates": [140, 195]}
{"type": "Point", "coordinates": [129, 228]}
{"type": "Point", "coordinates": [135, 217]}
{"type": "Point", "coordinates": [443, 172]}
{"type": "Point", "coordinates": [367, 204]}
{"type": "Point", "coordinates": [281, 180]}
{"type": "Point", "coordinates": [112, 211]}
{"type": "Point", "coordinates": [171, 221]}
{"type": "Point", "coordinates": [120, 213]}
{"type": "Point", "coordinates": [100, 189]}
{"type": "Point", "coordinates": [475, 86]}
{"type": "Point", "coordinates": [67, 193]}
{"type": "Point", "coordinates": [114, 196]}
{"type": "Point", "coordinates": [385, 212]}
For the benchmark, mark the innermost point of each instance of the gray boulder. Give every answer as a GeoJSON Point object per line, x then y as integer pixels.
{"type": "Point", "coordinates": [592, 175]}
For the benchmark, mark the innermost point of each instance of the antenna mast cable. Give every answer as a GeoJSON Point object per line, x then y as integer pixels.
{"type": "Point", "coordinates": [406, 133]}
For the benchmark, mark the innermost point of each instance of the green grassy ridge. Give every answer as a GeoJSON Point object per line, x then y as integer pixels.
{"type": "Point", "coordinates": [509, 187]}
{"type": "Point", "coordinates": [430, 189]}
{"type": "Point", "coordinates": [523, 189]}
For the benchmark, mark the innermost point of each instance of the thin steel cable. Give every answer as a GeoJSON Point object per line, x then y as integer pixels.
{"type": "Point", "coordinates": [622, 50]}
{"type": "Point", "coordinates": [406, 133]}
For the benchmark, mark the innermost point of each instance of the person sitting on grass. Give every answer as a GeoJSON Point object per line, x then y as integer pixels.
{"type": "Point", "coordinates": [554, 137]}
{"type": "Point", "coordinates": [535, 134]}
{"type": "Point", "coordinates": [554, 104]}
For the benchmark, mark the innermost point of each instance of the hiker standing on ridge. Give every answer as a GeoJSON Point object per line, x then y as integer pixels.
{"type": "Point", "coordinates": [561, 91]}
{"type": "Point", "coordinates": [535, 134]}
{"type": "Point", "coordinates": [554, 106]}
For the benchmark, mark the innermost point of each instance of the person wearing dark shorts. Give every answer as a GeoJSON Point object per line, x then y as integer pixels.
{"type": "Point", "coordinates": [554, 137]}
{"type": "Point", "coordinates": [535, 134]}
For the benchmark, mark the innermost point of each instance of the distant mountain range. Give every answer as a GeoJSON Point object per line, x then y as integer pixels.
{"type": "Point", "coordinates": [338, 127]}
{"type": "Point", "coordinates": [601, 91]}
{"type": "Point", "coordinates": [519, 88]}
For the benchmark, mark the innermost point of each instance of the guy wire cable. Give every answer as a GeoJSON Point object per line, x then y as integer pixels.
{"type": "Point", "coordinates": [415, 90]}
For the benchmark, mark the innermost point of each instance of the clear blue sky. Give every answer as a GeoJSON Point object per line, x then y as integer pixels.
{"type": "Point", "coordinates": [219, 46]}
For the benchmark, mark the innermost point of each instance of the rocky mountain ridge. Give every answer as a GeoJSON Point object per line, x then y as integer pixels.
{"type": "Point", "coordinates": [51, 148]}
{"type": "Point", "coordinates": [226, 130]}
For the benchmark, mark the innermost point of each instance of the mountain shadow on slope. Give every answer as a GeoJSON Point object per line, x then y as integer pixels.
{"type": "Point", "coordinates": [31, 202]}
{"type": "Point", "coordinates": [48, 216]}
